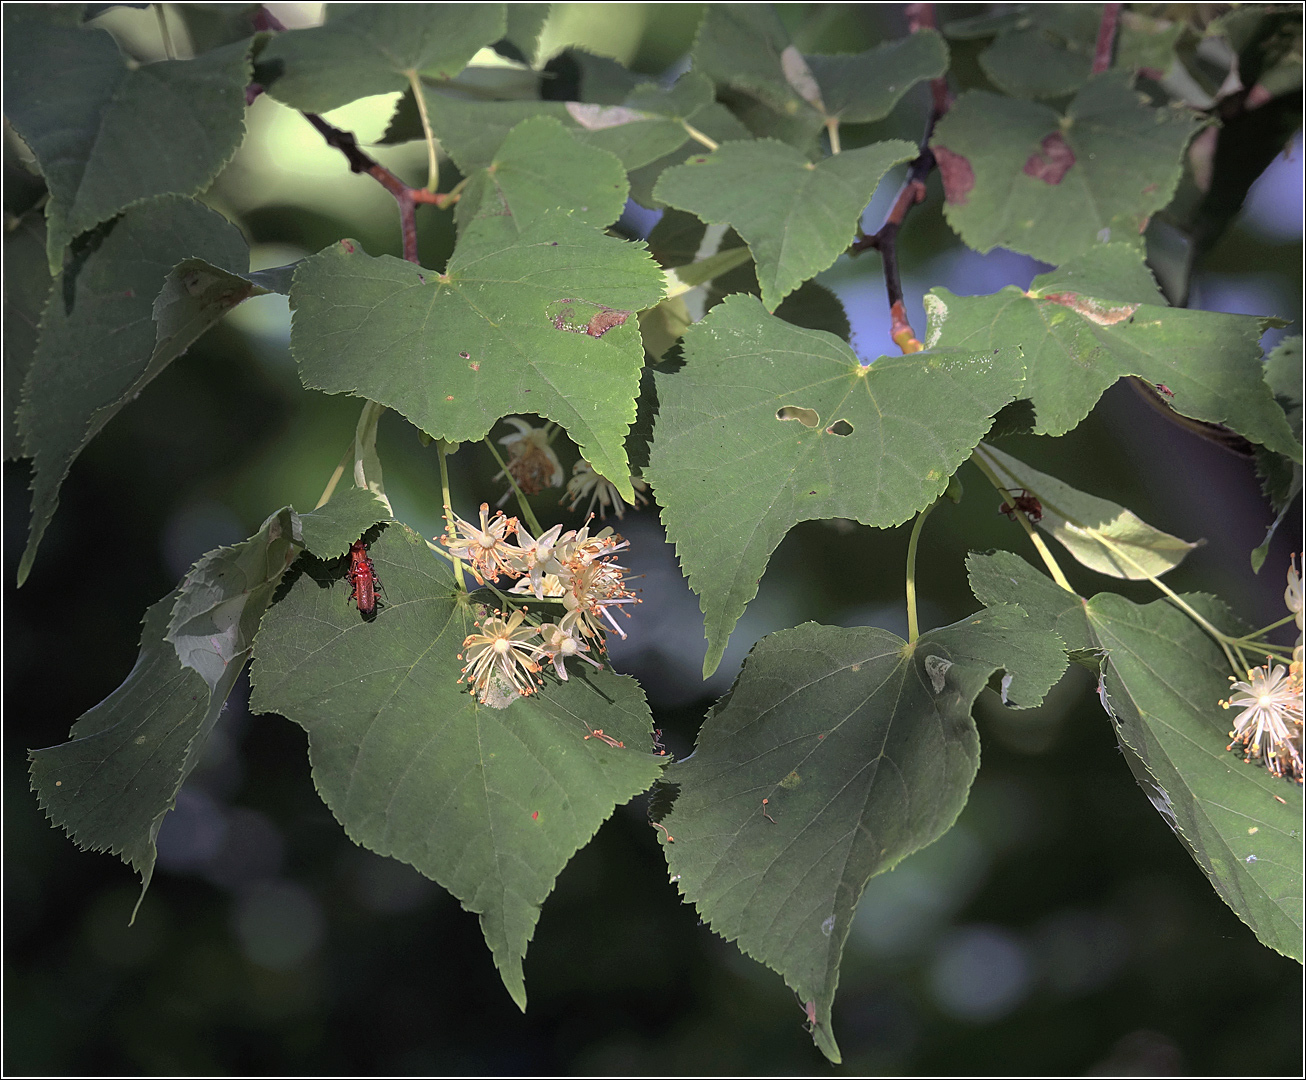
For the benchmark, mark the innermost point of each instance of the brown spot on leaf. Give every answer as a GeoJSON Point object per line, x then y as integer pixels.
{"type": "Point", "coordinates": [1095, 311]}
{"type": "Point", "coordinates": [958, 176]}
{"type": "Point", "coordinates": [347, 246]}
{"type": "Point", "coordinates": [606, 320]}
{"type": "Point", "coordinates": [1052, 162]}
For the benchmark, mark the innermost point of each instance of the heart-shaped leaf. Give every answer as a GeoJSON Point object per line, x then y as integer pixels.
{"type": "Point", "coordinates": [768, 424]}
{"type": "Point", "coordinates": [99, 343]}
{"type": "Point", "coordinates": [117, 134]}
{"type": "Point", "coordinates": [838, 752]}
{"type": "Point", "coordinates": [491, 803]}
{"type": "Point", "coordinates": [375, 49]}
{"type": "Point", "coordinates": [1019, 175]}
{"type": "Point", "coordinates": [541, 322]}
{"type": "Point", "coordinates": [1099, 318]}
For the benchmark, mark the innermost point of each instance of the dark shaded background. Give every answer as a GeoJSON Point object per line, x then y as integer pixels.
{"type": "Point", "coordinates": [1059, 928]}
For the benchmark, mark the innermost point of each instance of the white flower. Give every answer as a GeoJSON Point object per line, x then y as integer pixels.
{"type": "Point", "coordinates": [585, 481]}
{"type": "Point", "coordinates": [536, 560]}
{"type": "Point", "coordinates": [486, 548]}
{"type": "Point", "coordinates": [501, 652]}
{"type": "Point", "coordinates": [531, 460]}
{"type": "Point", "coordinates": [1269, 727]}
{"type": "Point", "coordinates": [560, 642]}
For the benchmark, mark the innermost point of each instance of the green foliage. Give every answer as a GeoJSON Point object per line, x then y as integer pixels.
{"type": "Point", "coordinates": [769, 424]}
{"type": "Point", "coordinates": [837, 753]}
{"type": "Point", "coordinates": [375, 48]}
{"type": "Point", "coordinates": [1100, 534]}
{"type": "Point", "coordinates": [1022, 176]}
{"type": "Point", "coordinates": [117, 136]}
{"type": "Point", "coordinates": [709, 364]}
{"type": "Point", "coordinates": [489, 802]}
{"type": "Point", "coordinates": [97, 345]}
{"type": "Point", "coordinates": [384, 329]}
{"type": "Point", "coordinates": [1099, 318]}
{"type": "Point", "coordinates": [805, 216]}
{"type": "Point", "coordinates": [1162, 676]}
{"type": "Point", "coordinates": [110, 786]}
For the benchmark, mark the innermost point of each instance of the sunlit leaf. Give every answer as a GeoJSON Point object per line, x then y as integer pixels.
{"type": "Point", "coordinates": [98, 337]}
{"type": "Point", "coordinates": [1102, 535]}
{"type": "Point", "coordinates": [645, 127]}
{"type": "Point", "coordinates": [769, 424]}
{"type": "Point", "coordinates": [372, 48]}
{"type": "Point", "coordinates": [838, 752]}
{"type": "Point", "coordinates": [1099, 318]}
{"type": "Point", "coordinates": [542, 323]}
{"type": "Point", "coordinates": [796, 217]}
{"type": "Point", "coordinates": [1019, 175]}
{"type": "Point", "coordinates": [491, 803]}
{"type": "Point", "coordinates": [114, 134]}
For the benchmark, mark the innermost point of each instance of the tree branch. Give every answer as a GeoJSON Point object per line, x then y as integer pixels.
{"type": "Point", "coordinates": [885, 239]}
{"type": "Point", "coordinates": [407, 197]}
{"type": "Point", "coordinates": [1106, 38]}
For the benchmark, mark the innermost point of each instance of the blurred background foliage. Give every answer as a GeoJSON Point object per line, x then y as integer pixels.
{"type": "Point", "coordinates": [1059, 928]}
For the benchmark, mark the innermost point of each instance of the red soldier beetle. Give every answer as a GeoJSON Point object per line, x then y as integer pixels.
{"type": "Point", "coordinates": [362, 579]}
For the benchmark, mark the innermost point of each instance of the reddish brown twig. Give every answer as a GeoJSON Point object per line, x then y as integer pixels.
{"type": "Point", "coordinates": [1106, 38]}
{"type": "Point", "coordinates": [407, 197]}
{"type": "Point", "coordinates": [885, 239]}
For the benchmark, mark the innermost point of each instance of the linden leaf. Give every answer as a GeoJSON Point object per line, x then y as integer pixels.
{"type": "Point", "coordinates": [540, 321]}
{"type": "Point", "coordinates": [375, 49]}
{"type": "Point", "coordinates": [99, 342]}
{"type": "Point", "coordinates": [491, 803]}
{"type": "Point", "coordinates": [838, 752]}
{"type": "Point", "coordinates": [1019, 175]}
{"type": "Point", "coordinates": [1162, 677]}
{"type": "Point", "coordinates": [111, 785]}
{"type": "Point", "coordinates": [540, 167]}
{"type": "Point", "coordinates": [1102, 535]}
{"type": "Point", "coordinates": [116, 135]}
{"type": "Point", "coordinates": [768, 424]}
{"type": "Point", "coordinates": [1099, 318]}
{"type": "Point", "coordinates": [796, 217]}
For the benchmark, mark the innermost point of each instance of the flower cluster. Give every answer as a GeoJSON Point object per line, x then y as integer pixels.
{"type": "Point", "coordinates": [504, 658]}
{"type": "Point", "coordinates": [1268, 726]}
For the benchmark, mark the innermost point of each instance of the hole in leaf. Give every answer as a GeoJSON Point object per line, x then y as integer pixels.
{"type": "Point", "coordinates": [806, 417]}
{"type": "Point", "coordinates": [839, 427]}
